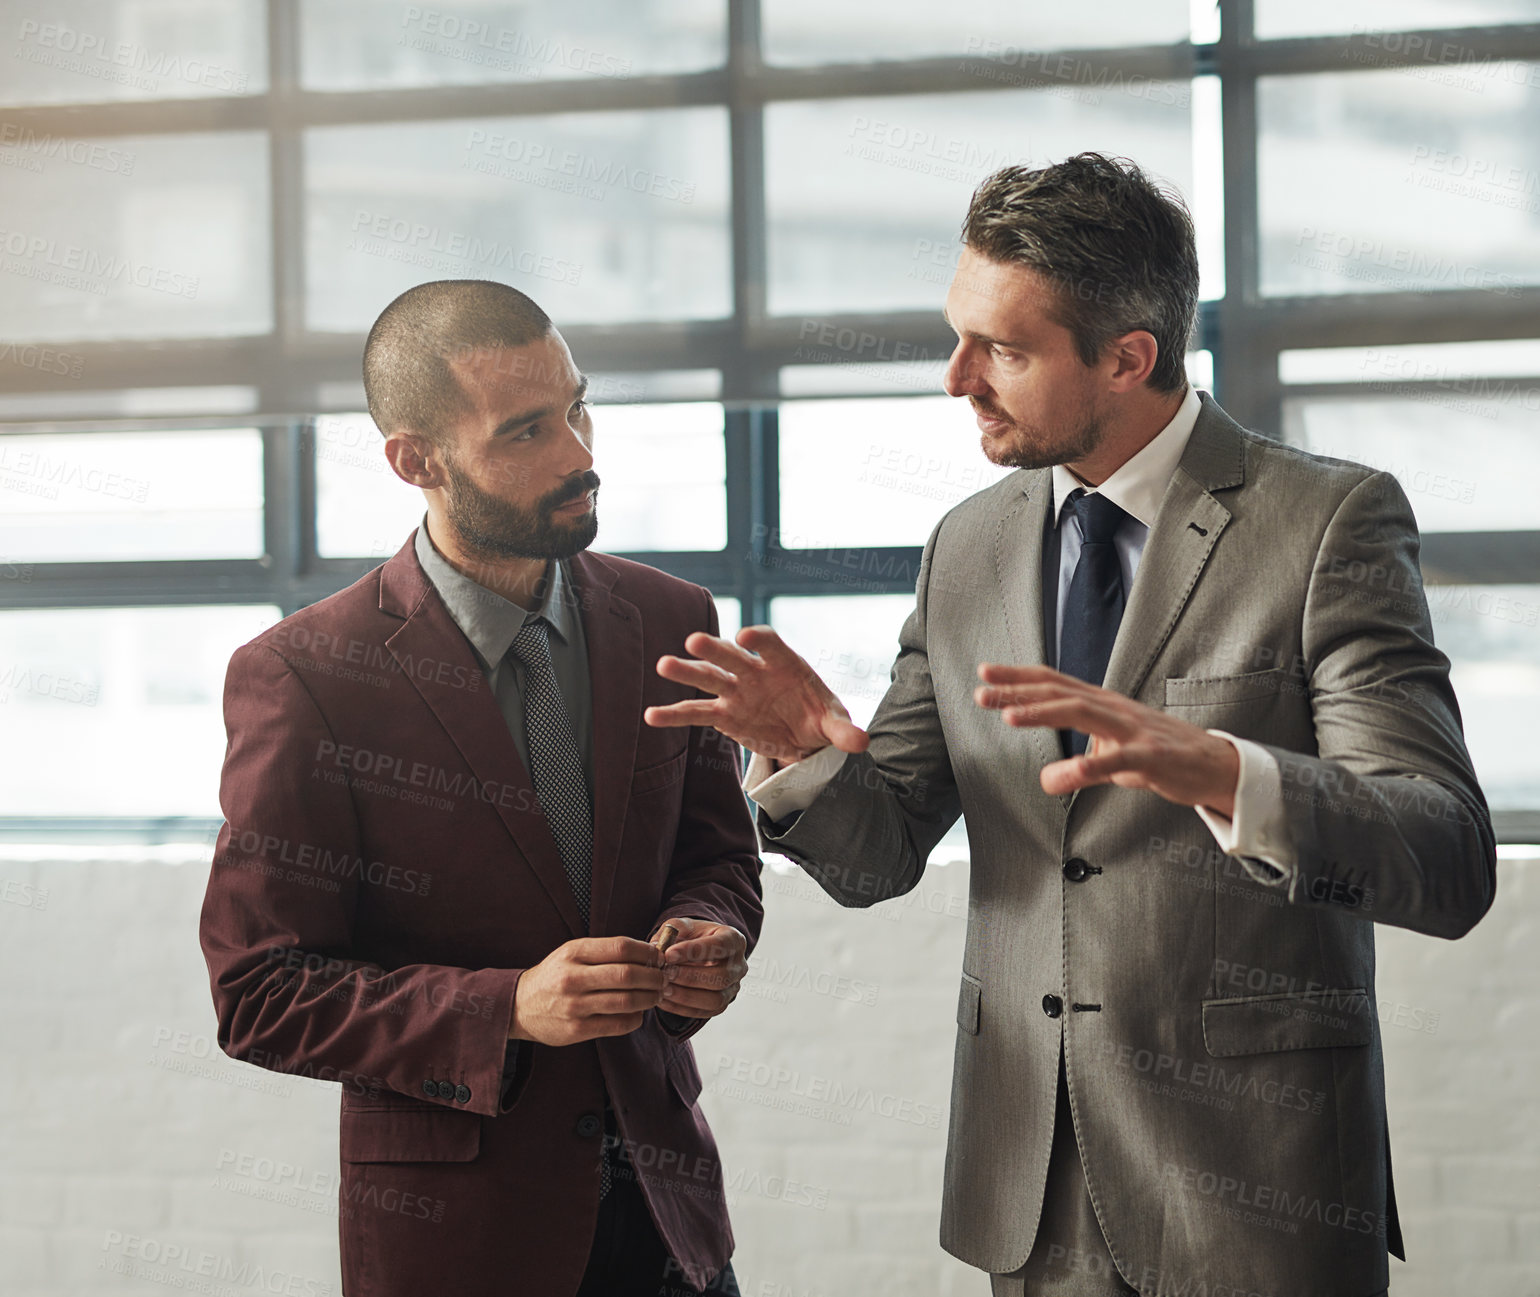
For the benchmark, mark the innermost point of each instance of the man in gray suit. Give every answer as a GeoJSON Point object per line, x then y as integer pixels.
{"type": "Point", "coordinates": [1168, 1075]}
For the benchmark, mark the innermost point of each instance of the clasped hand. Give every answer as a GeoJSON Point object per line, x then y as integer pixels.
{"type": "Point", "coordinates": [604, 986]}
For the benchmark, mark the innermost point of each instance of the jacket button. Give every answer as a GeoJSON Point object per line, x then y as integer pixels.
{"type": "Point", "coordinates": [1052, 1005]}
{"type": "Point", "coordinates": [462, 1094]}
{"type": "Point", "coordinates": [446, 1089]}
{"type": "Point", "coordinates": [1076, 870]}
{"type": "Point", "coordinates": [430, 1089]}
{"type": "Point", "coordinates": [588, 1125]}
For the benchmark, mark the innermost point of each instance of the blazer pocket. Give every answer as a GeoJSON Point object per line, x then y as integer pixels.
{"type": "Point", "coordinates": [1201, 691]}
{"type": "Point", "coordinates": [400, 1134]}
{"type": "Point", "coordinates": [651, 778]}
{"type": "Point", "coordinates": [1269, 1024]}
{"type": "Point", "coordinates": [684, 1075]}
{"type": "Point", "coordinates": [969, 998]}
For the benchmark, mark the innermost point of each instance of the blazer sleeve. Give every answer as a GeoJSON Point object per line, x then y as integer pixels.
{"type": "Point", "coordinates": [868, 835]}
{"type": "Point", "coordinates": [290, 991]}
{"type": "Point", "coordinates": [1385, 818]}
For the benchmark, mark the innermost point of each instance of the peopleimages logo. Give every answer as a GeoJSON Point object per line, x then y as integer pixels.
{"type": "Point", "coordinates": [58, 46]}
{"type": "Point", "coordinates": [39, 257]}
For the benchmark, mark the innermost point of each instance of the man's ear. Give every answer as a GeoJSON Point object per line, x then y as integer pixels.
{"type": "Point", "coordinates": [1134, 355]}
{"type": "Point", "coordinates": [415, 460]}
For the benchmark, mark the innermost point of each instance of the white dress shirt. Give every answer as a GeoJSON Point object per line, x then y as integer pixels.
{"type": "Point", "coordinates": [1256, 831]}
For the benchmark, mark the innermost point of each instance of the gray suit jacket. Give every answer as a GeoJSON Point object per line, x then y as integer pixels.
{"type": "Point", "coordinates": [1219, 1019]}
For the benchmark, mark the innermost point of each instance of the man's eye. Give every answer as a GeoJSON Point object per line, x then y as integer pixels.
{"type": "Point", "coordinates": [579, 408]}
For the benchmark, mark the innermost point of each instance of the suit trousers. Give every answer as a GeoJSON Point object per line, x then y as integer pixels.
{"type": "Point", "coordinates": [1069, 1257]}
{"type": "Point", "coordinates": [628, 1258]}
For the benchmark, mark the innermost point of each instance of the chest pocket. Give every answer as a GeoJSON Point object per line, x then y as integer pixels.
{"type": "Point", "coordinates": [652, 778]}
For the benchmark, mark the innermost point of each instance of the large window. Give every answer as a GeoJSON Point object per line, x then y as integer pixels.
{"type": "Point", "coordinates": [744, 218]}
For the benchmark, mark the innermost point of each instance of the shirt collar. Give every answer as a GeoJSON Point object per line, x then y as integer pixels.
{"type": "Point", "coordinates": [489, 621]}
{"type": "Point", "coordinates": [1140, 481]}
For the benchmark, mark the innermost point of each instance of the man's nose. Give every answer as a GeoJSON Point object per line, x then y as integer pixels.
{"type": "Point", "coordinates": [578, 455]}
{"type": "Point", "coordinates": [963, 376]}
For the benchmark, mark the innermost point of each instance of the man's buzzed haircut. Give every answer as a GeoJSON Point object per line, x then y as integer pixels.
{"type": "Point", "coordinates": [407, 379]}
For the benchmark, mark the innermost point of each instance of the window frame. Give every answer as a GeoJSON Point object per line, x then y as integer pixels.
{"type": "Point", "coordinates": [289, 366]}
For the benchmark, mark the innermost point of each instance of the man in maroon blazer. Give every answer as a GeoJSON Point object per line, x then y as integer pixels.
{"type": "Point", "coordinates": [449, 841]}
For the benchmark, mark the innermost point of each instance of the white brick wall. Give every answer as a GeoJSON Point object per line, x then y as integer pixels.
{"type": "Point", "coordinates": [123, 1119]}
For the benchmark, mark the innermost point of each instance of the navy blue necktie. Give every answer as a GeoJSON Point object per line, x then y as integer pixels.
{"type": "Point", "coordinates": [1094, 605]}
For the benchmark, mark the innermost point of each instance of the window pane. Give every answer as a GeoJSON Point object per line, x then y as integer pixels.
{"type": "Point", "coordinates": [600, 217]}
{"type": "Point", "coordinates": [1492, 635]}
{"type": "Point", "coordinates": [362, 507]}
{"type": "Point", "coordinates": [1465, 463]}
{"type": "Point", "coordinates": [849, 640]}
{"type": "Point", "coordinates": [119, 403]}
{"type": "Point", "coordinates": [1436, 362]}
{"type": "Point", "coordinates": [865, 196]}
{"type": "Point", "coordinates": [1326, 17]}
{"type": "Point", "coordinates": [348, 46]}
{"type": "Point", "coordinates": [127, 700]}
{"type": "Point", "coordinates": [117, 496]}
{"type": "Point", "coordinates": [1399, 181]}
{"type": "Point", "coordinates": [163, 236]}
{"type": "Point", "coordinates": [814, 31]}
{"type": "Point", "coordinates": [729, 615]}
{"type": "Point", "coordinates": [876, 472]}
{"type": "Point", "coordinates": [664, 470]}
{"type": "Point", "coordinates": [95, 51]}
{"type": "Point", "coordinates": [898, 378]}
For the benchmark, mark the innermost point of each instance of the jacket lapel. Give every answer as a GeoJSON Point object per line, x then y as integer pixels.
{"type": "Point", "coordinates": [612, 627]}
{"type": "Point", "coordinates": [1186, 529]}
{"type": "Point", "coordinates": [435, 656]}
{"type": "Point", "coordinates": [1019, 571]}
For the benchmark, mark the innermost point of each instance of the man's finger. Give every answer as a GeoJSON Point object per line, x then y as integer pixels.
{"type": "Point", "coordinates": [765, 643]}
{"type": "Point", "coordinates": [843, 734]}
{"type": "Point", "coordinates": [614, 950]}
{"type": "Point", "coordinates": [719, 652]}
{"type": "Point", "coordinates": [709, 977]}
{"type": "Point", "coordinates": [1000, 696]}
{"type": "Point", "coordinates": [695, 673]}
{"type": "Point", "coordinates": [1060, 777]}
{"type": "Point", "coordinates": [602, 1003]}
{"type": "Point", "coordinates": [711, 948]}
{"type": "Point", "coordinates": [692, 1003]}
{"type": "Point", "coordinates": [694, 711]}
{"type": "Point", "coordinates": [998, 673]}
{"type": "Point", "coordinates": [611, 1024]}
{"type": "Point", "coordinates": [1088, 715]}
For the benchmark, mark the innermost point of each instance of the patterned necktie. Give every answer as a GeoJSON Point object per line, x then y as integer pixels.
{"type": "Point", "coordinates": [557, 771]}
{"type": "Point", "coordinates": [1094, 605]}
{"type": "Point", "coordinates": [554, 763]}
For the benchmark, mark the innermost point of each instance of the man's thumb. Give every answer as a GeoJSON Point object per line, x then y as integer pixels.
{"type": "Point", "coordinates": [843, 734]}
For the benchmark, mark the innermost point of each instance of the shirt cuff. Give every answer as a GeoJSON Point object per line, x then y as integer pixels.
{"type": "Point", "coordinates": [1256, 833]}
{"type": "Point", "coordinates": [780, 793]}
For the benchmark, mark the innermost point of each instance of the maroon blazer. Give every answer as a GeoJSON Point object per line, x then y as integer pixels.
{"type": "Point", "coordinates": [384, 875]}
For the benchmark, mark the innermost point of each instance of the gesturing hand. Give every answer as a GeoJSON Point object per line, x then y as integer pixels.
{"type": "Point", "coordinates": [705, 966]}
{"type": "Point", "coordinates": [590, 987]}
{"type": "Point", "coordinates": [767, 698]}
{"type": "Point", "coordinates": [1132, 745]}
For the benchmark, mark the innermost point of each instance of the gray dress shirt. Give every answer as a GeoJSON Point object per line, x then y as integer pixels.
{"type": "Point", "coordinates": [490, 622]}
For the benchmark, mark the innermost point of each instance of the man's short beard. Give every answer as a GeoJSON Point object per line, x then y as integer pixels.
{"type": "Point", "coordinates": [493, 529]}
{"type": "Point", "coordinates": [1041, 454]}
